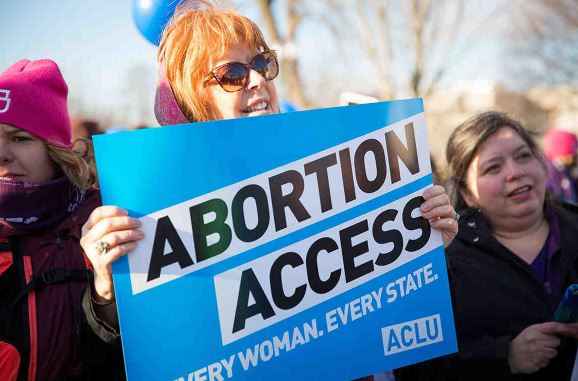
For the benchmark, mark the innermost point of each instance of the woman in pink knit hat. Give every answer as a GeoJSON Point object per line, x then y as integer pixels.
{"type": "Point", "coordinates": [560, 150]}
{"type": "Point", "coordinates": [46, 194]}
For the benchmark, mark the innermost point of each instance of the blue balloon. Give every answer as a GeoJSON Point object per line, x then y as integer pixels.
{"type": "Point", "coordinates": [151, 16]}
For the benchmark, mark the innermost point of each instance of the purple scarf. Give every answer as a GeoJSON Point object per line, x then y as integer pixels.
{"type": "Point", "coordinates": [26, 207]}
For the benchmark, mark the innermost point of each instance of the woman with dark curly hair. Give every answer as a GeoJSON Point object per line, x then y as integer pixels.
{"type": "Point", "coordinates": [513, 257]}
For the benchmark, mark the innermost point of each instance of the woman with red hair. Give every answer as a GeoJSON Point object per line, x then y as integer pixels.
{"type": "Point", "coordinates": [215, 64]}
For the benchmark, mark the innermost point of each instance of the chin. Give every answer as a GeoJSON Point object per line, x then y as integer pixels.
{"type": "Point", "coordinates": [527, 209]}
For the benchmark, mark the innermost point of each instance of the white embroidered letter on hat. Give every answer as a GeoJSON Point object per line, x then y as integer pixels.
{"type": "Point", "coordinates": [4, 100]}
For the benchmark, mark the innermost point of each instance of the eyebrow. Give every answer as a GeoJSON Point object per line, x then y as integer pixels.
{"type": "Point", "coordinates": [500, 157]}
{"type": "Point", "coordinates": [16, 131]}
{"type": "Point", "coordinates": [248, 59]}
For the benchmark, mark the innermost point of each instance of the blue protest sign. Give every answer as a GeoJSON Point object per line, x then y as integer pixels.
{"type": "Point", "coordinates": [282, 247]}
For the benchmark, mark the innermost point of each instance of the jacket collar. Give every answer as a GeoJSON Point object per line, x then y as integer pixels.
{"type": "Point", "coordinates": [475, 229]}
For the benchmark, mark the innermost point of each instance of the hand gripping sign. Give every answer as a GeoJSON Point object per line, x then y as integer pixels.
{"type": "Point", "coordinates": [281, 247]}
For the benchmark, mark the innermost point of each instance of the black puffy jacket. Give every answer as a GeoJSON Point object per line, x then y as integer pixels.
{"type": "Point", "coordinates": [495, 296]}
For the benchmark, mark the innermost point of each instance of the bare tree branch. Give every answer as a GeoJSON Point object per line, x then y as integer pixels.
{"type": "Point", "coordinates": [544, 34]}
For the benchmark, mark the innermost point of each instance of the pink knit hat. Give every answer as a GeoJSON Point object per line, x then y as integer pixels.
{"type": "Point", "coordinates": [559, 143]}
{"type": "Point", "coordinates": [33, 98]}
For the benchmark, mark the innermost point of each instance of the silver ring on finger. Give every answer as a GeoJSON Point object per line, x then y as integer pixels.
{"type": "Point", "coordinates": [102, 247]}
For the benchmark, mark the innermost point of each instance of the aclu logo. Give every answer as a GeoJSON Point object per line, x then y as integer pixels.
{"type": "Point", "coordinates": [4, 100]}
{"type": "Point", "coordinates": [412, 334]}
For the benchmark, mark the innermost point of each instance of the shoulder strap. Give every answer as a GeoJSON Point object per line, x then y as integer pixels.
{"type": "Point", "coordinates": [53, 276]}
{"type": "Point", "coordinates": [47, 278]}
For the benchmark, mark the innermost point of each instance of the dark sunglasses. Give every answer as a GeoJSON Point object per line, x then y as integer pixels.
{"type": "Point", "coordinates": [234, 76]}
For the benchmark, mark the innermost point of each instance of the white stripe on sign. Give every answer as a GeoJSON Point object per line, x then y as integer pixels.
{"type": "Point", "coordinates": [208, 229]}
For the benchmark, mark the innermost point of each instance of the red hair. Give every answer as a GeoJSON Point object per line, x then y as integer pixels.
{"type": "Point", "coordinates": [191, 42]}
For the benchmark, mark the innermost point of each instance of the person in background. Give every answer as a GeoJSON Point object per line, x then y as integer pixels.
{"type": "Point", "coordinates": [46, 195]}
{"type": "Point", "coordinates": [511, 261]}
{"type": "Point", "coordinates": [560, 150]}
{"type": "Point", "coordinates": [215, 64]}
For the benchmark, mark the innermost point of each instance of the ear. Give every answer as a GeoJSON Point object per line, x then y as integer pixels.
{"type": "Point", "coordinates": [167, 110]}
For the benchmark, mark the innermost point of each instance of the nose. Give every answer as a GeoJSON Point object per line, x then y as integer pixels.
{"type": "Point", "coordinates": [256, 80]}
{"type": "Point", "coordinates": [513, 170]}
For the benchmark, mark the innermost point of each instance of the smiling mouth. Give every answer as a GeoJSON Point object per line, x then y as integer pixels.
{"type": "Point", "coordinates": [520, 190]}
{"type": "Point", "coordinates": [9, 176]}
{"type": "Point", "coordinates": [256, 107]}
